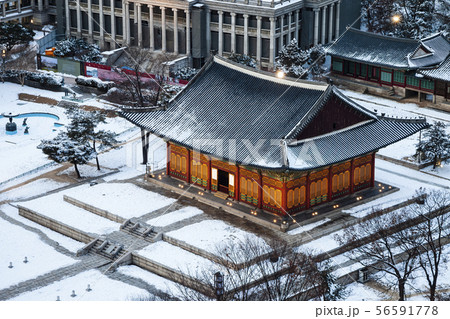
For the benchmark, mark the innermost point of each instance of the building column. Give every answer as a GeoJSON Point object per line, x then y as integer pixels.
{"type": "Point", "coordinates": [127, 21]}
{"type": "Point", "coordinates": [208, 31]}
{"type": "Point", "coordinates": [188, 32]}
{"type": "Point", "coordinates": [139, 22]}
{"type": "Point", "coordinates": [246, 34]}
{"type": "Point", "coordinates": [41, 6]}
{"type": "Point", "coordinates": [272, 43]}
{"type": "Point", "coordinates": [113, 24]}
{"type": "Point", "coordinates": [258, 40]}
{"type": "Point", "coordinates": [316, 26]}
{"type": "Point", "coordinates": [330, 23]}
{"type": "Point", "coordinates": [289, 38]}
{"type": "Point", "coordinates": [324, 23]}
{"type": "Point", "coordinates": [281, 31]}
{"type": "Point", "coordinates": [233, 32]}
{"type": "Point", "coordinates": [33, 4]}
{"type": "Point", "coordinates": [90, 22]}
{"type": "Point", "coordinates": [175, 31]}
{"type": "Point", "coordinates": [19, 8]}
{"type": "Point", "coordinates": [67, 19]}
{"type": "Point", "coordinates": [297, 27]}
{"type": "Point", "coordinates": [338, 16]}
{"type": "Point", "coordinates": [79, 21]}
{"type": "Point", "coordinates": [101, 22]}
{"type": "Point", "coordinates": [124, 23]}
{"type": "Point", "coordinates": [220, 33]}
{"type": "Point", "coordinates": [163, 30]}
{"type": "Point", "coordinates": [151, 27]}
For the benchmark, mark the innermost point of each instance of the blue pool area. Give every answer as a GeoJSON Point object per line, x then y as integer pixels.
{"type": "Point", "coordinates": [11, 127]}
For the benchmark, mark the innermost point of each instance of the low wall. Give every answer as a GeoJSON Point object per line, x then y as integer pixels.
{"type": "Point", "coordinates": [97, 211]}
{"type": "Point", "coordinates": [57, 226]}
{"type": "Point", "coordinates": [404, 163]}
{"type": "Point", "coordinates": [171, 274]}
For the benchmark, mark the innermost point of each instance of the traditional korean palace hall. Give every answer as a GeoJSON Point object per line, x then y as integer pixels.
{"type": "Point", "coordinates": [393, 66]}
{"type": "Point", "coordinates": [279, 146]}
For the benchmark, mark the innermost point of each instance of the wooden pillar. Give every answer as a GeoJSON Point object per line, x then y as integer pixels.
{"type": "Point", "coordinates": [209, 172]}
{"type": "Point", "coordinates": [188, 166]}
{"type": "Point", "coordinates": [372, 181]}
{"type": "Point", "coordinates": [308, 199]}
{"type": "Point", "coordinates": [260, 190]}
{"type": "Point", "coordinates": [352, 169]}
{"type": "Point", "coordinates": [237, 183]}
{"type": "Point", "coordinates": [330, 184]}
{"type": "Point", "coordinates": [284, 207]}
{"type": "Point", "coordinates": [168, 159]}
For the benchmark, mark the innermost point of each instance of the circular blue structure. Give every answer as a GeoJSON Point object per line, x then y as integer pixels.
{"type": "Point", "coordinates": [11, 127]}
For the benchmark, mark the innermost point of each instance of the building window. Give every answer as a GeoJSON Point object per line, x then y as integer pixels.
{"type": "Point", "coordinates": [272, 196]}
{"type": "Point", "coordinates": [337, 66]}
{"type": "Point", "coordinates": [340, 181]}
{"type": "Point", "coordinates": [318, 191]}
{"type": "Point", "coordinates": [399, 77]}
{"type": "Point", "coordinates": [412, 81]}
{"type": "Point", "coordinates": [427, 85]}
{"type": "Point", "coordinates": [386, 76]}
{"type": "Point", "coordinates": [249, 191]}
{"type": "Point", "coordinates": [362, 174]}
{"type": "Point", "coordinates": [296, 196]}
{"type": "Point", "coordinates": [363, 70]}
{"type": "Point", "coordinates": [178, 163]}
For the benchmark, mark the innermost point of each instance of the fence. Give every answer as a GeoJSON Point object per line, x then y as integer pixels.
{"type": "Point", "coordinates": [46, 41]}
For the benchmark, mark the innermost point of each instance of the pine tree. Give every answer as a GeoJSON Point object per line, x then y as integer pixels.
{"type": "Point", "coordinates": [83, 128]}
{"type": "Point", "coordinates": [243, 59]}
{"type": "Point", "coordinates": [64, 149]}
{"type": "Point", "coordinates": [376, 15]}
{"type": "Point", "coordinates": [12, 34]}
{"type": "Point", "coordinates": [78, 49]}
{"type": "Point", "coordinates": [291, 59]}
{"type": "Point", "coordinates": [435, 144]}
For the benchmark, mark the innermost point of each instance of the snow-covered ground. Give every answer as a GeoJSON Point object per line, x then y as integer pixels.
{"type": "Point", "coordinates": [102, 289]}
{"type": "Point", "coordinates": [212, 235]}
{"type": "Point", "coordinates": [53, 206]}
{"type": "Point", "coordinates": [37, 187]}
{"type": "Point", "coordinates": [176, 216]}
{"type": "Point", "coordinates": [18, 243]}
{"type": "Point", "coordinates": [122, 199]}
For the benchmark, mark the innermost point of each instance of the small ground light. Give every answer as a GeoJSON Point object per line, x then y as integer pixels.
{"type": "Point", "coordinates": [274, 220]}
{"type": "Point", "coordinates": [73, 294]}
{"type": "Point", "coordinates": [280, 74]}
{"type": "Point", "coordinates": [396, 18]}
{"type": "Point", "coordinates": [380, 190]}
{"type": "Point", "coordinates": [57, 298]}
{"type": "Point", "coordinates": [88, 288]}
{"type": "Point", "coordinates": [25, 260]}
{"type": "Point", "coordinates": [10, 265]}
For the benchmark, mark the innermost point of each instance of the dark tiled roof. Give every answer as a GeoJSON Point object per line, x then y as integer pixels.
{"type": "Point", "coordinates": [349, 143]}
{"type": "Point", "coordinates": [241, 115]}
{"type": "Point", "coordinates": [356, 45]}
{"type": "Point", "coordinates": [400, 53]}
{"type": "Point", "coordinates": [442, 72]}
{"type": "Point", "coordinates": [439, 47]}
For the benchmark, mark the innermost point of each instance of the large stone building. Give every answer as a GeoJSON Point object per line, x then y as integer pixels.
{"type": "Point", "coordinates": [255, 27]}
{"type": "Point", "coordinates": [38, 12]}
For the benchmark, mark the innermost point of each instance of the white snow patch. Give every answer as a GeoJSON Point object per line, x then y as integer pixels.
{"type": "Point", "coordinates": [176, 216]}
{"type": "Point", "coordinates": [38, 187]}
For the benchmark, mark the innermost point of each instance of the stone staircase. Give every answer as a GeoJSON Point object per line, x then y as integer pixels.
{"type": "Point", "coordinates": [140, 230]}
{"type": "Point", "coordinates": [221, 195]}
{"type": "Point", "coordinates": [105, 248]}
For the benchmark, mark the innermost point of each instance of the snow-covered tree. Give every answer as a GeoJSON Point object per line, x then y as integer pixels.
{"type": "Point", "coordinates": [243, 59]}
{"type": "Point", "coordinates": [376, 15]}
{"type": "Point", "coordinates": [167, 93]}
{"type": "Point", "coordinates": [186, 73]}
{"type": "Point", "coordinates": [78, 49]}
{"type": "Point", "coordinates": [291, 59]}
{"type": "Point", "coordinates": [435, 144]}
{"type": "Point", "coordinates": [12, 34]}
{"type": "Point", "coordinates": [316, 60]}
{"type": "Point", "coordinates": [64, 149]}
{"type": "Point", "coordinates": [83, 128]}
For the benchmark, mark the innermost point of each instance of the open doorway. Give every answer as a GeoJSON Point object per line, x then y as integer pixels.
{"type": "Point", "coordinates": [223, 181]}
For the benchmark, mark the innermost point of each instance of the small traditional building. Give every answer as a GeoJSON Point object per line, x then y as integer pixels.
{"type": "Point", "coordinates": [441, 77]}
{"type": "Point", "coordinates": [388, 65]}
{"type": "Point", "coordinates": [280, 145]}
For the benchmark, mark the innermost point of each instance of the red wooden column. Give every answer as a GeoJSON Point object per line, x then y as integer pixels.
{"type": "Point", "coordinates": [209, 173]}
{"type": "Point", "coordinates": [352, 169]}
{"type": "Point", "coordinates": [260, 190]}
{"type": "Point", "coordinates": [372, 182]}
{"type": "Point", "coordinates": [237, 183]}
{"type": "Point", "coordinates": [284, 198]}
{"type": "Point", "coordinates": [168, 159]}
{"type": "Point", "coordinates": [188, 166]}
{"type": "Point", "coordinates": [308, 199]}
{"type": "Point", "coordinates": [330, 184]}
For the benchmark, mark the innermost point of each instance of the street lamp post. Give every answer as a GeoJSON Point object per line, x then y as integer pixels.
{"type": "Point", "coordinates": [218, 285]}
{"type": "Point", "coordinates": [3, 63]}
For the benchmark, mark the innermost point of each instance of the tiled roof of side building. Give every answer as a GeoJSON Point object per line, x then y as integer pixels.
{"type": "Point", "coordinates": [439, 48]}
{"type": "Point", "coordinates": [442, 72]}
{"type": "Point", "coordinates": [240, 114]}
{"type": "Point", "coordinates": [356, 45]}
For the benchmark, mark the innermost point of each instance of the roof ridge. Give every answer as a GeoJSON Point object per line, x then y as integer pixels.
{"type": "Point", "coordinates": [377, 35]}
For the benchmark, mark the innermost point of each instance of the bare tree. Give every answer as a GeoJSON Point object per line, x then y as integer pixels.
{"type": "Point", "coordinates": [432, 235]}
{"type": "Point", "coordinates": [253, 270]}
{"type": "Point", "coordinates": [385, 245]}
{"type": "Point", "coordinates": [22, 64]}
